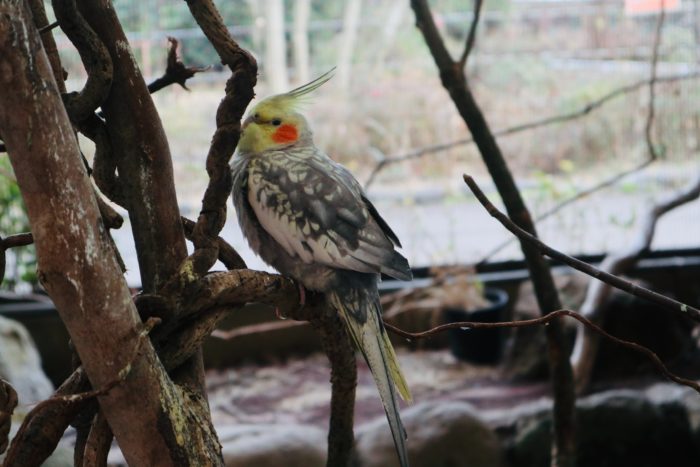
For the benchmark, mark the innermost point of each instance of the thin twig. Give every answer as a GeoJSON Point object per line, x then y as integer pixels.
{"type": "Point", "coordinates": [16, 240]}
{"type": "Point", "coordinates": [175, 71]}
{"type": "Point", "coordinates": [555, 119]}
{"type": "Point", "coordinates": [255, 329]}
{"type": "Point", "coordinates": [579, 265]}
{"type": "Point", "coordinates": [574, 198]}
{"type": "Point", "coordinates": [544, 320]}
{"type": "Point", "coordinates": [561, 377]}
{"type": "Point", "coordinates": [471, 36]}
{"type": "Point", "coordinates": [48, 27]}
{"type": "Point", "coordinates": [587, 343]}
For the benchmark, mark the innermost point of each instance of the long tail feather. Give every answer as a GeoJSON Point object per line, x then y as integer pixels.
{"type": "Point", "coordinates": [361, 312]}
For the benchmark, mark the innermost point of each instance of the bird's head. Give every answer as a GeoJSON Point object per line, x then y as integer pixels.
{"type": "Point", "coordinates": [275, 123]}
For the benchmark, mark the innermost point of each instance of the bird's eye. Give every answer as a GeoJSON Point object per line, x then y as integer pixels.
{"type": "Point", "coordinates": [276, 121]}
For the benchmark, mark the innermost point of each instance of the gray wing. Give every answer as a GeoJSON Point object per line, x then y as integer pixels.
{"type": "Point", "coordinates": [316, 211]}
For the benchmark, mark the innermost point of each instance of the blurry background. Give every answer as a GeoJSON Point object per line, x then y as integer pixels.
{"type": "Point", "coordinates": [565, 85]}
{"type": "Point", "coordinates": [533, 60]}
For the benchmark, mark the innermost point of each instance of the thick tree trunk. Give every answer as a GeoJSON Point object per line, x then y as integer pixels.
{"type": "Point", "coordinates": [150, 416]}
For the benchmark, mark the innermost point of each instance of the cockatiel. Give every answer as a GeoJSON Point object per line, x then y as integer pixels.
{"type": "Point", "coordinates": [308, 217]}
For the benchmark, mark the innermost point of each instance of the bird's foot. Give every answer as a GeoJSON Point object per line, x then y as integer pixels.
{"type": "Point", "coordinates": [302, 301]}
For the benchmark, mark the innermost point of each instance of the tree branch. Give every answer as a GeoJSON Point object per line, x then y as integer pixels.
{"type": "Point", "coordinates": [98, 443]}
{"type": "Point", "coordinates": [8, 402]}
{"type": "Point", "coordinates": [617, 282]}
{"type": "Point", "coordinates": [95, 58]}
{"type": "Point", "coordinates": [141, 153]}
{"type": "Point", "coordinates": [341, 354]}
{"type": "Point", "coordinates": [471, 36]}
{"type": "Point", "coordinates": [555, 119]}
{"type": "Point", "coordinates": [239, 93]}
{"type": "Point", "coordinates": [227, 254]}
{"type": "Point", "coordinates": [47, 163]}
{"type": "Point", "coordinates": [455, 82]}
{"type": "Point", "coordinates": [544, 320]}
{"type": "Point", "coordinates": [175, 71]}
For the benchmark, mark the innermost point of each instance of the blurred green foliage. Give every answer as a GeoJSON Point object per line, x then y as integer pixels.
{"type": "Point", "coordinates": [13, 219]}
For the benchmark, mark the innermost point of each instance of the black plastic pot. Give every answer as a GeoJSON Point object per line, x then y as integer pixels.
{"type": "Point", "coordinates": [480, 346]}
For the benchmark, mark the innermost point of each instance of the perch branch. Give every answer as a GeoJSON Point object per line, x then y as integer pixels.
{"type": "Point", "coordinates": [579, 265]}
{"type": "Point", "coordinates": [545, 320]}
{"type": "Point", "coordinates": [341, 354]}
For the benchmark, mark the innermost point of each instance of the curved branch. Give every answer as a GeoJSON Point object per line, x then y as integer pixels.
{"type": "Point", "coordinates": [239, 93]}
{"type": "Point", "coordinates": [227, 254]}
{"type": "Point", "coordinates": [95, 58]}
{"type": "Point", "coordinates": [544, 320]}
{"type": "Point", "coordinates": [586, 346]}
{"type": "Point", "coordinates": [617, 282]}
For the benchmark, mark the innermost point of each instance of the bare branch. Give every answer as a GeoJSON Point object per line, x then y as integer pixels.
{"type": "Point", "coordinates": [545, 320]}
{"type": "Point", "coordinates": [255, 329]}
{"type": "Point", "coordinates": [586, 347]}
{"type": "Point", "coordinates": [39, 434]}
{"type": "Point", "coordinates": [455, 83]}
{"type": "Point", "coordinates": [341, 354]}
{"type": "Point", "coordinates": [227, 254]}
{"type": "Point", "coordinates": [555, 119]}
{"type": "Point", "coordinates": [94, 56]}
{"type": "Point", "coordinates": [48, 27]}
{"type": "Point", "coordinates": [175, 71]}
{"type": "Point", "coordinates": [239, 93]}
{"type": "Point", "coordinates": [579, 265]}
{"type": "Point", "coordinates": [471, 36]}
{"type": "Point", "coordinates": [98, 443]}
{"type": "Point", "coordinates": [648, 127]}
{"type": "Point", "coordinates": [16, 240]}
{"type": "Point", "coordinates": [574, 198]}
{"type": "Point", "coordinates": [8, 402]}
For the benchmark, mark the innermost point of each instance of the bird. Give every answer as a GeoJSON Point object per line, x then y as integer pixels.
{"type": "Point", "coordinates": [308, 217]}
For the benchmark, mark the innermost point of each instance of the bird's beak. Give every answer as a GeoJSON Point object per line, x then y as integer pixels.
{"type": "Point", "coordinates": [247, 122]}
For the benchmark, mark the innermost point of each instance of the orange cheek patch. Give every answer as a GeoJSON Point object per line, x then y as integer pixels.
{"type": "Point", "coordinates": [285, 134]}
